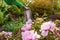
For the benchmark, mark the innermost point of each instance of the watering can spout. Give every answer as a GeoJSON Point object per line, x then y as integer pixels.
{"type": "Point", "coordinates": [19, 4]}
{"type": "Point", "coordinates": [28, 13]}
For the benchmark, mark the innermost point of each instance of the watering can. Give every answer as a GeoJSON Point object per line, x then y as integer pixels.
{"type": "Point", "coordinates": [19, 4]}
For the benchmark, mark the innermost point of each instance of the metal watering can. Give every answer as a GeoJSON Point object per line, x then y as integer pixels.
{"type": "Point", "coordinates": [19, 4]}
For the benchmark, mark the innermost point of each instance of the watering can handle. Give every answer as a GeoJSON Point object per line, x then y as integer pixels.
{"type": "Point", "coordinates": [14, 2]}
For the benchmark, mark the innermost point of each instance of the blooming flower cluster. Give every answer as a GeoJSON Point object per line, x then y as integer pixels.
{"type": "Point", "coordinates": [27, 26]}
{"type": "Point", "coordinates": [46, 27]}
{"type": "Point", "coordinates": [29, 34]}
{"type": "Point", "coordinates": [6, 34]}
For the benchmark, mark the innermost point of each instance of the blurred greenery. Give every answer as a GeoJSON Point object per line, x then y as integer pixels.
{"type": "Point", "coordinates": [16, 10]}
{"type": "Point", "coordinates": [13, 26]}
{"type": "Point", "coordinates": [41, 6]}
{"type": "Point", "coordinates": [12, 17]}
{"type": "Point", "coordinates": [37, 23]}
{"type": "Point", "coordinates": [1, 17]}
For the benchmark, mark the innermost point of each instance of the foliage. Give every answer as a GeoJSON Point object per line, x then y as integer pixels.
{"type": "Point", "coordinates": [1, 17]}
{"type": "Point", "coordinates": [13, 26]}
{"type": "Point", "coordinates": [15, 10]}
{"type": "Point", "coordinates": [6, 9]}
{"type": "Point", "coordinates": [41, 6]}
{"type": "Point", "coordinates": [57, 5]}
{"type": "Point", "coordinates": [36, 24]}
{"type": "Point", "coordinates": [3, 9]}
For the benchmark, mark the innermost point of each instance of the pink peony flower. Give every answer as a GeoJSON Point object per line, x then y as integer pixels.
{"type": "Point", "coordinates": [30, 35]}
{"type": "Point", "coordinates": [29, 21]}
{"type": "Point", "coordinates": [47, 26]}
{"type": "Point", "coordinates": [26, 27]}
{"type": "Point", "coordinates": [7, 34]}
{"type": "Point", "coordinates": [44, 33]}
